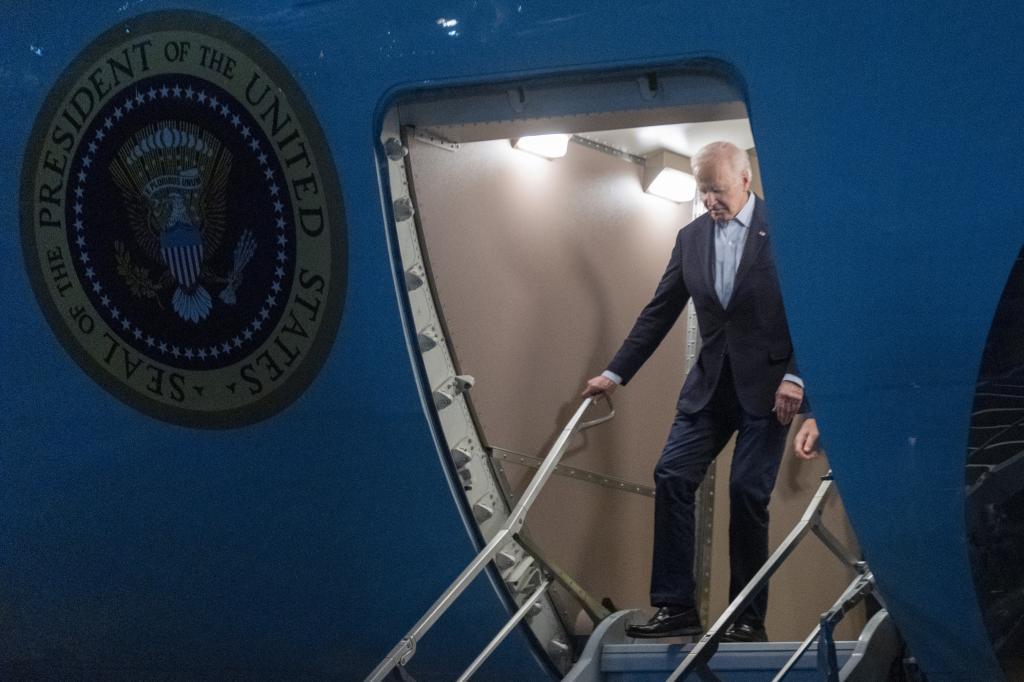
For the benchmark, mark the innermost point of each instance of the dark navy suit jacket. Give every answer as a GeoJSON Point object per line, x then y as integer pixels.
{"type": "Point", "coordinates": [752, 330]}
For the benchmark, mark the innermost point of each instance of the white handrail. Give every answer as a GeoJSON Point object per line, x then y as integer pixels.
{"type": "Point", "coordinates": [699, 656]}
{"type": "Point", "coordinates": [403, 652]}
{"type": "Point", "coordinates": [503, 633]}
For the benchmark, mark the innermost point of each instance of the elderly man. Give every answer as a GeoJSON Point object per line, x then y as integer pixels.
{"type": "Point", "coordinates": [744, 381]}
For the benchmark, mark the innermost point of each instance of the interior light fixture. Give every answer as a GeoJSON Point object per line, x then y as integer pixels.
{"type": "Point", "coordinates": [549, 146]}
{"type": "Point", "coordinates": [668, 176]}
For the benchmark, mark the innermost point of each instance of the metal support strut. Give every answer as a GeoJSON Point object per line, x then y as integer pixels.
{"type": "Point", "coordinates": [699, 657]}
{"type": "Point", "coordinates": [403, 652]}
{"type": "Point", "coordinates": [828, 667]}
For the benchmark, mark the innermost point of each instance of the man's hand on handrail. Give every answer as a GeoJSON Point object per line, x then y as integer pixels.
{"type": "Point", "coordinates": [599, 385]}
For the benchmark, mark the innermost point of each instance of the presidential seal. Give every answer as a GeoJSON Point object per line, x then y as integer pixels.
{"type": "Point", "coordinates": [182, 222]}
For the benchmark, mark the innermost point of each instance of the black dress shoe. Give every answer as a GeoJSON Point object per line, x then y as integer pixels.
{"type": "Point", "coordinates": [669, 621]}
{"type": "Point", "coordinates": [745, 632]}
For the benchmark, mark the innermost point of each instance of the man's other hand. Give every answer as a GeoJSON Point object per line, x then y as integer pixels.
{"type": "Point", "coordinates": [788, 399]}
{"type": "Point", "coordinates": [599, 385]}
{"type": "Point", "coordinates": [805, 445]}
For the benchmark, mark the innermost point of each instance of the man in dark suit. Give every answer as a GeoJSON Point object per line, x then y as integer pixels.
{"type": "Point", "coordinates": [745, 380]}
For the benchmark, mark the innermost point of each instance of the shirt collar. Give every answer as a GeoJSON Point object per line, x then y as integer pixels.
{"type": "Point", "coordinates": [747, 212]}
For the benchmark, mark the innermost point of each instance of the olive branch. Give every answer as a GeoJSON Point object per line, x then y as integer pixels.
{"type": "Point", "coordinates": [136, 276]}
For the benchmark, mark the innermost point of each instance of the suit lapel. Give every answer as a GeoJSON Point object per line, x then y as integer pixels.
{"type": "Point", "coordinates": [706, 249]}
{"type": "Point", "coordinates": [757, 237]}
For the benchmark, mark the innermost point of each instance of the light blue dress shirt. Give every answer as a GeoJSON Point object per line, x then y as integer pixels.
{"type": "Point", "coordinates": [730, 237]}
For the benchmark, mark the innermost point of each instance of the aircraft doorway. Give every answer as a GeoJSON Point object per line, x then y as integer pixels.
{"type": "Point", "coordinates": [537, 268]}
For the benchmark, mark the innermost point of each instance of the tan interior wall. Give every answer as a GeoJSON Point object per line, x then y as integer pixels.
{"type": "Point", "coordinates": [541, 267]}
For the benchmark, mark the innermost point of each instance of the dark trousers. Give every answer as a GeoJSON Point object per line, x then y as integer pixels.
{"type": "Point", "coordinates": [694, 441]}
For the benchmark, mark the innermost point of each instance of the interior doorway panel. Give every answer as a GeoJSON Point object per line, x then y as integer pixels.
{"type": "Point", "coordinates": [540, 268]}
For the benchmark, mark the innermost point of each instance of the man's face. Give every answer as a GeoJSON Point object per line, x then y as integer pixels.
{"type": "Point", "coordinates": [723, 190]}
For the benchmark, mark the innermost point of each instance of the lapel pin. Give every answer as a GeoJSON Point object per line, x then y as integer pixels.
{"type": "Point", "coordinates": [761, 233]}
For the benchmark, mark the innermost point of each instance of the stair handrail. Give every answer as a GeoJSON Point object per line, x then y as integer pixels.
{"type": "Point", "coordinates": [700, 655]}
{"type": "Point", "coordinates": [403, 652]}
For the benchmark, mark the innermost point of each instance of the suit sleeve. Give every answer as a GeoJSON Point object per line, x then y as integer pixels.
{"type": "Point", "coordinates": [655, 320]}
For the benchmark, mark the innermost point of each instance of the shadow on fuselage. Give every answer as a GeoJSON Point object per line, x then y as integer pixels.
{"type": "Point", "coordinates": [995, 476]}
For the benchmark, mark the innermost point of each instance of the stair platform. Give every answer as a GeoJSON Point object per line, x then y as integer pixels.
{"type": "Point", "coordinates": [733, 662]}
{"type": "Point", "coordinates": [611, 655]}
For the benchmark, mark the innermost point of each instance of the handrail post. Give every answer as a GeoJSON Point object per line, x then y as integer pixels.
{"type": "Point", "coordinates": [503, 633]}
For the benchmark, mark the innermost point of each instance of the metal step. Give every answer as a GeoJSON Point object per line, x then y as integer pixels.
{"type": "Point", "coordinates": [733, 662]}
{"type": "Point", "coordinates": [610, 655]}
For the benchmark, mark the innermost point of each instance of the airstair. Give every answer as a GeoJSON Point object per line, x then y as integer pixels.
{"type": "Point", "coordinates": [610, 654]}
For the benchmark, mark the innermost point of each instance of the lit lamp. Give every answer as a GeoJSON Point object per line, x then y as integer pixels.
{"type": "Point", "coordinates": [549, 146]}
{"type": "Point", "coordinates": [668, 175]}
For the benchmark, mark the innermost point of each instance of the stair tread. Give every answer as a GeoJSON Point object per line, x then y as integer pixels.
{"type": "Point", "coordinates": [731, 656]}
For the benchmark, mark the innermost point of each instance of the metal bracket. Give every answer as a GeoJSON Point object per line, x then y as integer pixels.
{"type": "Point", "coordinates": [445, 394]}
{"type": "Point", "coordinates": [517, 100]}
{"type": "Point", "coordinates": [435, 140]}
{"type": "Point", "coordinates": [649, 86]}
{"type": "Point", "coordinates": [427, 338]}
{"type": "Point", "coordinates": [607, 149]}
{"type": "Point", "coordinates": [394, 149]}
{"type": "Point", "coordinates": [415, 277]}
{"type": "Point", "coordinates": [591, 606]}
{"type": "Point", "coordinates": [409, 650]}
{"type": "Point", "coordinates": [403, 209]}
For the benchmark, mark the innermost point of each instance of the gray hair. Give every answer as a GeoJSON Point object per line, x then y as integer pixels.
{"type": "Point", "coordinates": [715, 151]}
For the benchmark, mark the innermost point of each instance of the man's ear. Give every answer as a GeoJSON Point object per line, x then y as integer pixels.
{"type": "Point", "coordinates": [746, 179]}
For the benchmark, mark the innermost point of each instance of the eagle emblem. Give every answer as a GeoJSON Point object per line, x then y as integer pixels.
{"type": "Point", "coordinates": [173, 178]}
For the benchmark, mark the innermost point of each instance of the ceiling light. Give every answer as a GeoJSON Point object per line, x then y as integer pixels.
{"type": "Point", "coordinates": [548, 146]}
{"type": "Point", "coordinates": [667, 175]}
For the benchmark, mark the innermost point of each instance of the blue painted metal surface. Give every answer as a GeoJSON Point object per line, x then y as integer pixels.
{"type": "Point", "coordinates": [305, 545]}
